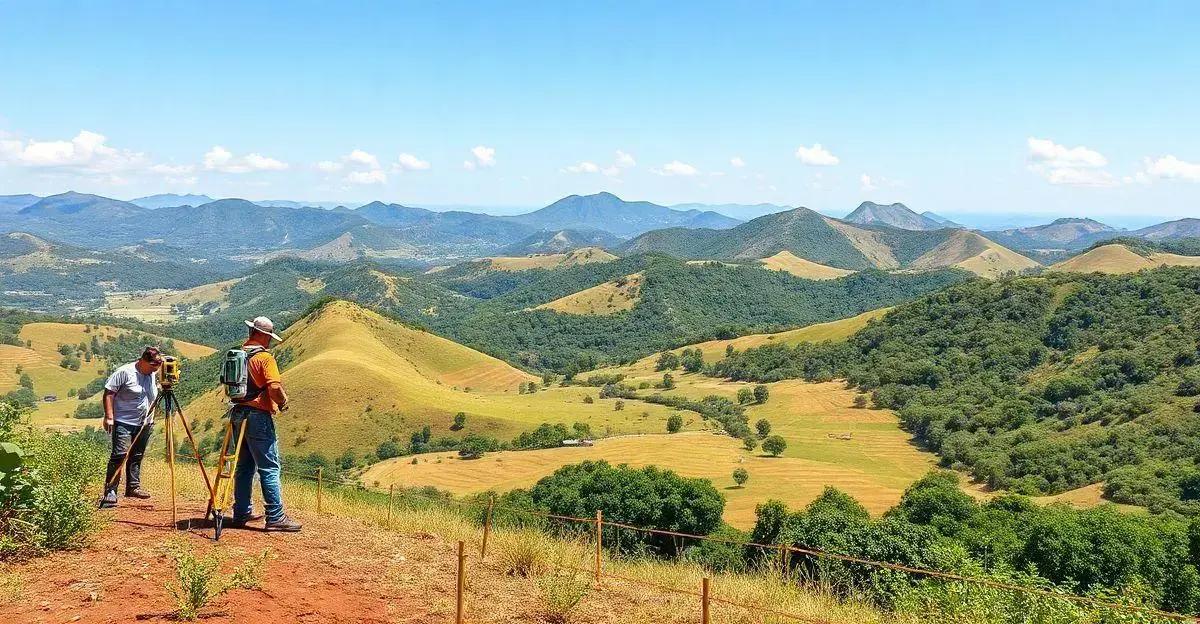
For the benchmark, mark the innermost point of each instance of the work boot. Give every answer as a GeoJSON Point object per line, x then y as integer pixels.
{"type": "Point", "coordinates": [240, 523]}
{"type": "Point", "coordinates": [284, 524]}
{"type": "Point", "coordinates": [137, 492]}
{"type": "Point", "coordinates": [109, 500]}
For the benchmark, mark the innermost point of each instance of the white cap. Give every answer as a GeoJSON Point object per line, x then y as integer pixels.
{"type": "Point", "coordinates": [264, 325]}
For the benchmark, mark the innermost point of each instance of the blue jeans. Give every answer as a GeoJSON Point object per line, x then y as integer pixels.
{"type": "Point", "coordinates": [259, 453]}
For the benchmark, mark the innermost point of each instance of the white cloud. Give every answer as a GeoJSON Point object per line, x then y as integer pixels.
{"type": "Point", "coordinates": [329, 166]}
{"type": "Point", "coordinates": [172, 170]}
{"type": "Point", "coordinates": [484, 157]}
{"type": "Point", "coordinates": [867, 183]}
{"type": "Point", "coordinates": [621, 160]}
{"type": "Point", "coordinates": [583, 167]}
{"type": "Point", "coordinates": [677, 168]}
{"type": "Point", "coordinates": [816, 156]}
{"type": "Point", "coordinates": [359, 157]}
{"type": "Point", "coordinates": [408, 162]}
{"type": "Point", "coordinates": [87, 152]}
{"type": "Point", "coordinates": [1068, 166]}
{"type": "Point", "coordinates": [736, 162]}
{"type": "Point", "coordinates": [469, 165]}
{"type": "Point", "coordinates": [624, 160]}
{"type": "Point", "coordinates": [373, 176]}
{"type": "Point", "coordinates": [220, 159]}
{"type": "Point", "coordinates": [1171, 168]}
{"type": "Point", "coordinates": [1055, 156]}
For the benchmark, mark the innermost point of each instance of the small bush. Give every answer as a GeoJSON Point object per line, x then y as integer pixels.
{"type": "Point", "coordinates": [674, 423]}
{"type": "Point", "coordinates": [199, 580]}
{"type": "Point", "coordinates": [522, 553]}
{"type": "Point", "coordinates": [775, 445]}
{"type": "Point", "coordinates": [740, 476]}
{"type": "Point", "coordinates": [561, 593]}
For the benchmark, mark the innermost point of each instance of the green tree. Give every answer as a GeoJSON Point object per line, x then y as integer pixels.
{"type": "Point", "coordinates": [763, 427]}
{"type": "Point", "coordinates": [26, 381]}
{"type": "Point", "coordinates": [750, 443]}
{"type": "Point", "coordinates": [388, 449]}
{"type": "Point", "coordinates": [668, 382]}
{"type": "Point", "coordinates": [674, 423]}
{"type": "Point", "coordinates": [647, 496]}
{"type": "Point", "coordinates": [775, 445]}
{"type": "Point", "coordinates": [744, 396]}
{"type": "Point", "coordinates": [761, 393]}
{"type": "Point", "coordinates": [473, 446]}
{"type": "Point", "coordinates": [740, 476]}
{"type": "Point", "coordinates": [460, 421]}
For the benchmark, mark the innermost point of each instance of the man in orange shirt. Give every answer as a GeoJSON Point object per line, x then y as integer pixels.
{"type": "Point", "coordinates": [260, 448]}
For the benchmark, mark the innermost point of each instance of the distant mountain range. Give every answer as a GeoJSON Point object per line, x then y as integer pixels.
{"type": "Point", "coordinates": [170, 200]}
{"type": "Point", "coordinates": [560, 241]}
{"type": "Point", "coordinates": [605, 211]}
{"type": "Point", "coordinates": [1067, 233]}
{"type": "Point", "coordinates": [737, 211]}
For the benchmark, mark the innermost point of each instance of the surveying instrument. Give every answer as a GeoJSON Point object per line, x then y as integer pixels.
{"type": "Point", "coordinates": [222, 489]}
{"type": "Point", "coordinates": [167, 404]}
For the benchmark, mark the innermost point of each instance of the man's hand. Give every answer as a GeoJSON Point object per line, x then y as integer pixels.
{"type": "Point", "coordinates": [108, 424]}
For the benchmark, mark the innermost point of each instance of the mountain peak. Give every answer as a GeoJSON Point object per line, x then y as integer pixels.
{"type": "Point", "coordinates": [895, 215]}
{"type": "Point", "coordinates": [606, 211]}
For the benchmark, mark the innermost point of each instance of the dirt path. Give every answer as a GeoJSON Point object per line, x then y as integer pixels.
{"type": "Point", "coordinates": [331, 572]}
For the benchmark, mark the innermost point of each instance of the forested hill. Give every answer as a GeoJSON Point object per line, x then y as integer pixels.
{"type": "Point", "coordinates": [1037, 384]}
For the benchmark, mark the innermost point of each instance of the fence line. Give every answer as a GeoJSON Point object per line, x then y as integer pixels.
{"type": "Point", "coordinates": [783, 549]}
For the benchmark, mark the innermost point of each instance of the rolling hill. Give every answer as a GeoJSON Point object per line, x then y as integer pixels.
{"type": "Point", "coordinates": [810, 236]}
{"type": "Point", "coordinates": [1117, 259]}
{"type": "Point", "coordinates": [605, 211]}
{"type": "Point", "coordinates": [80, 206]}
{"type": "Point", "coordinates": [896, 215]}
{"type": "Point", "coordinates": [357, 379]}
{"type": "Point", "coordinates": [560, 241]}
{"type": "Point", "coordinates": [581, 255]}
{"type": "Point", "coordinates": [787, 261]}
{"type": "Point", "coordinates": [170, 200]}
{"type": "Point", "coordinates": [618, 295]}
{"type": "Point", "coordinates": [1182, 228]}
{"type": "Point", "coordinates": [972, 252]}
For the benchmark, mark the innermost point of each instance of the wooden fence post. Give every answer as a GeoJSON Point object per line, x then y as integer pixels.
{"type": "Point", "coordinates": [599, 542]}
{"type": "Point", "coordinates": [704, 598]}
{"type": "Point", "coordinates": [462, 577]}
{"type": "Point", "coordinates": [487, 525]}
{"type": "Point", "coordinates": [391, 494]}
{"type": "Point", "coordinates": [319, 471]}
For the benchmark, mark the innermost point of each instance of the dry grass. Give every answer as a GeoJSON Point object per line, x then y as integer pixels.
{"type": "Point", "coordinates": [606, 298]}
{"type": "Point", "coordinates": [1117, 259]}
{"type": "Point", "coordinates": [583, 255]}
{"type": "Point", "coordinates": [787, 261]}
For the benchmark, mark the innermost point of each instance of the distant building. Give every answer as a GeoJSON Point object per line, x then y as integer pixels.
{"type": "Point", "coordinates": [50, 398]}
{"type": "Point", "coordinates": [578, 443]}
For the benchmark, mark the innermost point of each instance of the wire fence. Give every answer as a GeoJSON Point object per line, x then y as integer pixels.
{"type": "Point", "coordinates": [597, 525]}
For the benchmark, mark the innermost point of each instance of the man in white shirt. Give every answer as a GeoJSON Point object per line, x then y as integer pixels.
{"type": "Point", "coordinates": [129, 396]}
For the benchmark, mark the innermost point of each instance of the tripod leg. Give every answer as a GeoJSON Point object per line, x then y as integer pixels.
{"type": "Point", "coordinates": [225, 474]}
{"type": "Point", "coordinates": [171, 461]}
{"type": "Point", "coordinates": [195, 448]}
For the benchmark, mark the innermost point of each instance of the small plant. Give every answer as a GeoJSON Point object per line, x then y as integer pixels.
{"type": "Point", "coordinates": [619, 405]}
{"type": "Point", "coordinates": [674, 423]}
{"type": "Point", "coordinates": [750, 443]}
{"type": "Point", "coordinates": [763, 427]}
{"type": "Point", "coordinates": [860, 401]}
{"type": "Point", "coordinates": [522, 553]}
{"type": "Point", "coordinates": [460, 421]}
{"type": "Point", "coordinates": [740, 476]}
{"type": "Point", "coordinates": [560, 594]}
{"type": "Point", "coordinates": [198, 580]}
{"type": "Point", "coordinates": [587, 398]}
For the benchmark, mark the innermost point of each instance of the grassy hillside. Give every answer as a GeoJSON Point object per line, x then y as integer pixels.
{"type": "Point", "coordinates": [585, 255]}
{"type": "Point", "coordinates": [974, 253]}
{"type": "Point", "coordinates": [1116, 259]}
{"type": "Point", "coordinates": [787, 261]}
{"type": "Point", "coordinates": [608, 298]}
{"type": "Point", "coordinates": [1040, 384]}
{"type": "Point", "coordinates": [357, 379]}
{"type": "Point", "coordinates": [168, 305]}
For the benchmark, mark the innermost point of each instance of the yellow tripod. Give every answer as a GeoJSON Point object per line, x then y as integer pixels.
{"type": "Point", "coordinates": [222, 489]}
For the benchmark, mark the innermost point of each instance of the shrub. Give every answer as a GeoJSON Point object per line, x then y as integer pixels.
{"type": "Point", "coordinates": [775, 445]}
{"type": "Point", "coordinates": [750, 443]}
{"type": "Point", "coordinates": [89, 410]}
{"type": "Point", "coordinates": [744, 396]}
{"type": "Point", "coordinates": [199, 580]}
{"type": "Point", "coordinates": [388, 449]}
{"type": "Point", "coordinates": [1189, 386]}
{"type": "Point", "coordinates": [522, 553]}
{"type": "Point", "coordinates": [460, 421]}
{"type": "Point", "coordinates": [474, 446]}
{"type": "Point", "coordinates": [763, 427]}
{"type": "Point", "coordinates": [740, 476]}
{"type": "Point", "coordinates": [587, 398]}
{"type": "Point", "coordinates": [560, 593]}
{"type": "Point", "coordinates": [860, 401]}
{"type": "Point", "coordinates": [619, 405]}
{"type": "Point", "coordinates": [674, 423]}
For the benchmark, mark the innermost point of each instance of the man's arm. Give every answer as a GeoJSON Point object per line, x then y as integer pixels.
{"type": "Point", "coordinates": [107, 400]}
{"type": "Point", "coordinates": [278, 396]}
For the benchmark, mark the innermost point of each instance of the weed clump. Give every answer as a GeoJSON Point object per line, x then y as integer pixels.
{"type": "Point", "coordinates": [198, 580]}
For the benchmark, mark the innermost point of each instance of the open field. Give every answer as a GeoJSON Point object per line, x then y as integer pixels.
{"type": "Point", "coordinates": [359, 379]}
{"type": "Point", "coordinates": [41, 359]}
{"type": "Point", "coordinates": [607, 298]}
{"type": "Point", "coordinates": [583, 255]}
{"type": "Point", "coordinates": [807, 269]}
{"type": "Point", "coordinates": [156, 305]}
{"type": "Point", "coordinates": [1116, 259]}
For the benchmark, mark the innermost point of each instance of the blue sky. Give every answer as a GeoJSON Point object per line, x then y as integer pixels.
{"type": "Point", "coordinates": [1075, 109]}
